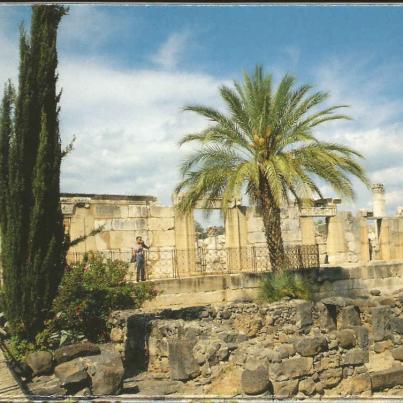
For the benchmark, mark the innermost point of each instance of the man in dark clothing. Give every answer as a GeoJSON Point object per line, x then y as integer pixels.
{"type": "Point", "coordinates": [138, 253]}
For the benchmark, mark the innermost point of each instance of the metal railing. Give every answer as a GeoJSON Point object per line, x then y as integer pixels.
{"type": "Point", "coordinates": [176, 263]}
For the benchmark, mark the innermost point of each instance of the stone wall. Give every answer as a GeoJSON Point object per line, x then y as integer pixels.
{"type": "Point", "coordinates": [334, 347]}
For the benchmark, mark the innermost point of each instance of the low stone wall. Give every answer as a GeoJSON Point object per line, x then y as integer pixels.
{"type": "Point", "coordinates": [334, 347]}
{"type": "Point", "coordinates": [351, 280]}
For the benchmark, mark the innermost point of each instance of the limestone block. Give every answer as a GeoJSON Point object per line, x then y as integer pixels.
{"type": "Point", "coordinates": [381, 327]}
{"type": "Point", "coordinates": [162, 212]}
{"type": "Point", "coordinates": [256, 237]}
{"type": "Point", "coordinates": [129, 224]}
{"type": "Point", "coordinates": [182, 364]}
{"type": "Point", "coordinates": [161, 224]}
{"type": "Point", "coordinates": [124, 239]}
{"type": "Point", "coordinates": [107, 210]}
{"type": "Point", "coordinates": [356, 356]}
{"type": "Point", "coordinates": [106, 223]}
{"type": "Point", "coordinates": [135, 211]}
{"type": "Point", "coordinates": [387, 379]}
{"type": "Point", "coordinates": [291, 368]}
{"type": "Point", "coordinates": [163, 238]}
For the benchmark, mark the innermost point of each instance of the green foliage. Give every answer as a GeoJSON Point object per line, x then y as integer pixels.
{"type": "Point", "coordinates": [264, 143]}
{"type": "Point", "coordinates": [88, 293]}
{"type": "Point", "coordinates": [287, 283]}
{"type": "Point", "coordinates": [19, 348]}
{"type": "Point", "coordinates": [32, 233]}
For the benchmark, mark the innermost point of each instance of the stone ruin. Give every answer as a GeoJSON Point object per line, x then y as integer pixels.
{"type": "Point", "coordinates": [334, 347]}
{"type": "Point", "coordinates": [341, 237]}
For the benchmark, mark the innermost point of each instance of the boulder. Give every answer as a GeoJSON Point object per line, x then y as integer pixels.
{"type": "Point", "coordinates": [72, 351]}
{"type": "Point", "coordinates": [46, 386]}
{"type": "Point", "coordinates": [361, 333]}
{"type": "Point", "coordinates": [307, 386]}
{"type": "Point", "coordinates": [331, 377]}
{"type": "Point", "coordinates": [397, 353]}
{"type": "Point", "coordinates": [106, 371]}
{"type": "Point", "coordinates": [346, 338]}
{"type": "Point", "coordinates": [375, 292]}
{"type": "Point", "coordinates": [381, 346]}
{"type": "Point", "coordinates": [286, 389]}
{"type": "Point", "coordinates": [349, 316]}
{"type": "Point", "coordinates": [381, 326]}
{"type": "Point", "coordinates": [303, 314]}
{"type": "Point", "coordinates": [40, 362]}
{"type": "Point", "coordinates": [291, 368]}
{"type": "Point", "coordinates": [182, 364]}
{"type": "Point", "coordinates": [386, 379]}
{"type": "Point", "coordinates": [397, 325]}
{"type": "Point", "coordinates": [310, 346]}
{"type": "Point", "coordinates": [356, 356]}
{"type": "Point", "coordinates": [255, 382]}
{"type": "Point", "coordinates": [72, 374]}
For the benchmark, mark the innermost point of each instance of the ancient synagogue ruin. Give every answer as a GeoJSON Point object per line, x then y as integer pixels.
{"type": "Point", "coordinates": [315, 234]}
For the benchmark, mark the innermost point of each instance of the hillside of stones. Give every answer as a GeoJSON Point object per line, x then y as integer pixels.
{"type": "Point", "coordinates": [337, 347]}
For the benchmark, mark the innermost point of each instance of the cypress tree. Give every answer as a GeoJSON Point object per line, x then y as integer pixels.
{"type": "Point", "coordinates": [33, 238]}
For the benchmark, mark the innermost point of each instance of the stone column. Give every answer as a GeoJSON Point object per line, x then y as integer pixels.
{"type": "Point", "coordinates": [384, 239]}
{"type": "Point", "coordinates": [307, 230]}
{"type": "Point", "coordinates": [364, 240]}
{"type": "Point", "coordinates": [185, 243]}
{"type": "Point", "coordinates": [336, 243]}
{"type": "Point", "coordinates": [236, 238]}
{"type": "Point", "coordinates": [378, 195]}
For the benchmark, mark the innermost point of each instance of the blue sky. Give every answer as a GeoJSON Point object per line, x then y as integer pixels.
{"type": "Point", "coordinates": [126, 71]}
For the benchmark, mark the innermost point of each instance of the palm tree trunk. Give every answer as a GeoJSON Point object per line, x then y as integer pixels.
{"type": "Point", "coordinates": [272, 228]}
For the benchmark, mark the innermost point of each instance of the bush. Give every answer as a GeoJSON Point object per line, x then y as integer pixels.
{"type": "Point", "coordinates": [88, 293]}
{"type": "Point", "coordinates": [287, 283]}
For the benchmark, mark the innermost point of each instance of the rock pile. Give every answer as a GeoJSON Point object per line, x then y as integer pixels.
{"type": "Point", "coordinates": [81, 369]}
{"type": "Point", "coordinates": [335, 347]}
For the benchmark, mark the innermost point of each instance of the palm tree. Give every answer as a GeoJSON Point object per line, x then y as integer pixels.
{"type": "Point", "coordinates": [264, 145]}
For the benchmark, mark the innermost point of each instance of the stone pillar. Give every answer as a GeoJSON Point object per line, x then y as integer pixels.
{"type": "Point", "coordinates": [307, 230]}
{"type": "Point", "coordinates": [364, 240]}
{"type": "Point", "coordinates": [336, 243]}
{"type": "Point", "coordinates": [236, 237]}
{"type": "Point", "coordinates": [378, 195]}
{"type": "Point", "coordinates": [185, 243]}
{"type": "Point", "coordinates": [384, 239]}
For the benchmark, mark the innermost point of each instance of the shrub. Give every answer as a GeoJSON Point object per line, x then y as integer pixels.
{"type": "Point", "coordinates": [287, 283]}
{"type": "Point", "coordinates": [88, 293]}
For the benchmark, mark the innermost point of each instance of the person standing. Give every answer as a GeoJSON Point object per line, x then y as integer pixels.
{"type": "Point", "coordinates": [139, 258]}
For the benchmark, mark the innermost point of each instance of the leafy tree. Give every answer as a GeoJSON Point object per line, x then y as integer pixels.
{"type": "Point", "coordinates": [33, 245]}
{"type": "Point", "coordinates": [265, 145]}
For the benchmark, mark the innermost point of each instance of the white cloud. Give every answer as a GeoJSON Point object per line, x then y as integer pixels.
{"type": "Point", "coordinates": [128, 124]}
{"type": "Point", "coordinates": [171, 51]}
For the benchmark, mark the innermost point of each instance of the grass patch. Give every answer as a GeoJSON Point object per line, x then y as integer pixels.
{"type": "Point", "coordinates": [287, 283]}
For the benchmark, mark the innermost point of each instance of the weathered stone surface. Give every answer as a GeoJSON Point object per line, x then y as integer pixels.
{"type": "Point", "coordinates": [285, 389]}
{"type": "Point", "coordinates": [106, 371]}
{"type": "Point", "coordinates": [337, 301]}
{"type": "Point", "coordinates": [327, 316]}
{"type": "Point", "coordinates": [255, 382]}
{"type": "Point", "coordinates": [310, 346]}
{"type": "Point", "coordinates": [291, 368]}
{"type": "Point", "coordinates": [212, 351]}
{"type": "Point", "coordinates": [117, 335]}
{"type": "Point", "coordinates": [361, 333]}
{"type": "Point", "coordinates": [307, 386]}
{"type": "Point", "coordinates": [346, 338]}
{"type": "Point", "coordinates": [356, 356]}
{"type": "Point", "coordinates": [387, 379]}
{"type": "Point", "coordinates": [349, 316]}
{"type": "Point", "coordinates": [46, 386]}
{"type": "Point", "coordinates": [303, 314]}
{"type": "Point", "coordinates": [182, 364]}
{"type": "Point", "coordinates": [354, 386]}
{"type": "Point", "coordinates": [381, 327]}
{"type": "Point", "coordinates": [397, 353]}
{"type": "Point", "coordinates": [41, 362]}
{"type": "Point", "coordinates": [248, 325]}
{"type": "Point", "coordinates": [331, 377]}
{"type": "Point", "coordinates": [152, 387]}
{"type": "Point", "coordinates": [71, 374]}
{"type": "Point", "coordinates": [72, 351]}
{"type": "Point", "coordinates": [375, 292]}
{"type": "Point", "coordinates": [331, 361]}
{"type": "Point", "coordinates": [397, 325]}
{"type": "Point", "coordinates": [381, 346]}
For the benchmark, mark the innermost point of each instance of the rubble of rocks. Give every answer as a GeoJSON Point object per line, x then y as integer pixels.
{"type": "Point", "coordinates": [336, 347]}
{"type": "Point", "coordinates": [82, 369]}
